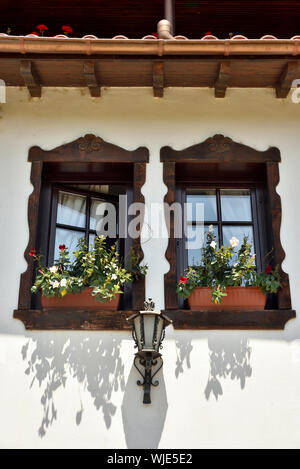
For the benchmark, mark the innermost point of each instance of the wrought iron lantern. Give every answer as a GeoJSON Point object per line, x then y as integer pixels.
{"type": "Point", "coordinates": [148, 331]}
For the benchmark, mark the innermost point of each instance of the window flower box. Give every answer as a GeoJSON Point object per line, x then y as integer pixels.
{"type": "Point", "coordinates": [237, 299]}
{"type": "Point", "coordinates": [227, 280]}
{"type": "Point", "coordinates": [94, 280]}
{"type": "Point", "coordinates": [83, 300]}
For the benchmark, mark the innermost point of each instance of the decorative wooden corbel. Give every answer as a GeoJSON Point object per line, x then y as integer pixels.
{"type": "Point", "coordinates": [290, 73]}
{"type": "Point", "coordinates": [91, 79]}
{"type": "Point", "coordinates": [158, 79]}
{"type": "Point", "coordinates": [222, 80]}
{"type": "Point", "coordinates": [30, 78]}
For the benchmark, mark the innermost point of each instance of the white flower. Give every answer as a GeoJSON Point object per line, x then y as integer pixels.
{"type": "Point", "coordinates": [53, 269]}
{"type": "Point", "coordinates": [211, 228]}
{"type": "Point", "coordinates": [63, 282]}
{"type": "Point", "coordinates": [234, 242]}
{"type": "Point", "coordinates": [55, 284]}
{"type": "Point", "coordinates": [114, 277]}
{"type": "Point", "coordinates": [213, 244]}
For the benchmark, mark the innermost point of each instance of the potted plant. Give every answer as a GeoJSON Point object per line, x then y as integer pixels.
{"type": "Point", "coordinates": [226, 279]}
{"type": "Point", "coordinates": [96, 275]}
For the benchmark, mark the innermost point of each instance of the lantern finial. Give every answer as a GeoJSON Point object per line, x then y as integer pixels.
{"type": "Point", "coordinates": [149, 305]}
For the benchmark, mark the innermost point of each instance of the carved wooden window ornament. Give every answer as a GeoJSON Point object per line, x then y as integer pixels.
{"type": "Point", "coordinates": [220, 155]}
{"type": "Point", "coordinates": [79, 162]}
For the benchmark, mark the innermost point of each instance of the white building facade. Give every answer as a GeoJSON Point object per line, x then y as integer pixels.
{"type": "Point", "coordinates": [77, 389]}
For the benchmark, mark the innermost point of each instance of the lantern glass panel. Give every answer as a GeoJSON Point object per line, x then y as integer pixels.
{"type": "Point", "coordinates": [149, 323]}
{"type": "Point", "coordinates": [137, 328]}
{"type": "Point", "coordinates": [160, 325]}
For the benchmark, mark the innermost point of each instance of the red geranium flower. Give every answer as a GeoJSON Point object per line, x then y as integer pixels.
{"type": "Point", "coordinates": [35, 33]}
{"type": "Point", "coordinates": [208, 33]}
{"type": "Point", "coordinates": [32, 253]}
{"type": "Point", "coordinates": [183, 280]}
{"type": "Point", "coordinates": [67, 29]}
{"type": "Point", "coordinates": [268, 269]}
{"type": "Point", "coordinates": [155, 35]}
{"type": "Point", "coordinates": [62, 247]}
{"type": "Point", "coordinates": [42, 27]}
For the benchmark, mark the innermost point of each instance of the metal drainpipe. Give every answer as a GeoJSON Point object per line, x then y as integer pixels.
{"type": "Point", "coordinates": [165, 28]}
{"type": "Point", "coordinates": [170, 14]}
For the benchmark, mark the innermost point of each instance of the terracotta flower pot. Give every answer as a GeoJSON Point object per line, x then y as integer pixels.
{"type": "Point", "coordinates": [83, 300]}
{"type": "Point", "coordinates": [237, 299]}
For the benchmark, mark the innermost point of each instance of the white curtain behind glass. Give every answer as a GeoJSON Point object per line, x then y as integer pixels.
{"type": "Point", "coordinates": [71, 211]}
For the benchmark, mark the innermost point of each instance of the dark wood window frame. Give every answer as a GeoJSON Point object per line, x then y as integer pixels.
{"type": "Point", "coordinates": [220, 149]}
{"type": "Point", "coordinates": [87, 149]}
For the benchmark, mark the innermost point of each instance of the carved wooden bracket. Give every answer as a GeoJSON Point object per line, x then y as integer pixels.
{"type": "Point", "coordinates": [158, 79]}
{"type": "Point", "coordinates": [31, 79]}
{"type": "Point", "coordinates": [289, 74]}
{"type": "Point", "coordinates": [222, 81]}
{"type": "Point", "coordinates": [91, 79]}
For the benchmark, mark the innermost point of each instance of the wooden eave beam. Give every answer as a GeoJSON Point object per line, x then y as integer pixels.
{"type": "Point", "coordinates": [223, 79]}
{"type": "Point", "coordinates": [290, 73]}
{"type": "Point", "coordinates": [158, 79]}
{"type": "Point", "coordinates": [30, 78]}
{"type": "Point", "coordinates": [91, 79]}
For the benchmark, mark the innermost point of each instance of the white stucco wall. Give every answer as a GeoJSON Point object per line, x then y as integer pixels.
{"type": "Point", "coordinates": [78, 389]}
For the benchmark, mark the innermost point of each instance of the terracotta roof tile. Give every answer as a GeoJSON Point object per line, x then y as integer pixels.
{"type": "Point", "coordinates": [209, 37]}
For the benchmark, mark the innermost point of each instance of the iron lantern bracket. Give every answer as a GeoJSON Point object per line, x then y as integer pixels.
{"type": "Point", "coordinates": [147, 360]}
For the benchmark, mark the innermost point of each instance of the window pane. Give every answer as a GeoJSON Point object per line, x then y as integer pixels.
{"type": "Point", "coordinates": [238, 232]}
{"type": "Point", "coordinates": [196, 236]}
{"type": "Point", "coordinates": [236, 205]}
{"type": "Point", "coordinates": [98, 210]}
{"type": "Point", "coordinates": [71, 209]}
{"type": "Point", "coordinates": [69, 238]}
{"type": "Point", "coordinates": [208, 201]}
{"type": "Point", "coordinates": [91, 239]}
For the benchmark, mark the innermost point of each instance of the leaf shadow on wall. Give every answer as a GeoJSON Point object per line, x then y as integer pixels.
{"type": "Point", "coordinates": [228, 358]}
{"type": "Point", "coordinates": [183, 349]}
{"type": "Point", "coordinates": [95, 363]}
{"type": "Point", "coordinates": [143, 423]}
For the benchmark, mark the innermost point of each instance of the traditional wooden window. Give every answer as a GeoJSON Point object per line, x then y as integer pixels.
{"type": "Point", "coordinates": [78, 176]}
{"type": "Point", "coordinates": [215, 171]}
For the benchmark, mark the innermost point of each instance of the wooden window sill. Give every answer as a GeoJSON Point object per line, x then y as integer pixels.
{"type": "Point", "coordinates": [97, 320]}
{"type": "Point", "coordinates": [73, 319]}
{"type": "Point", "coordinates": [243, 320]}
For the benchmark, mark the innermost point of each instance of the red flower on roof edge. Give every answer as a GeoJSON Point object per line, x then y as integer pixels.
{"type": "Point", "coordinates": [208, 34]}
{"type": "Point", "coordinates": [67, 29]}
{"type": "Point", "coordinates": [42, 27]}
{"type": "Point", "coordinates": [35, 33]}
